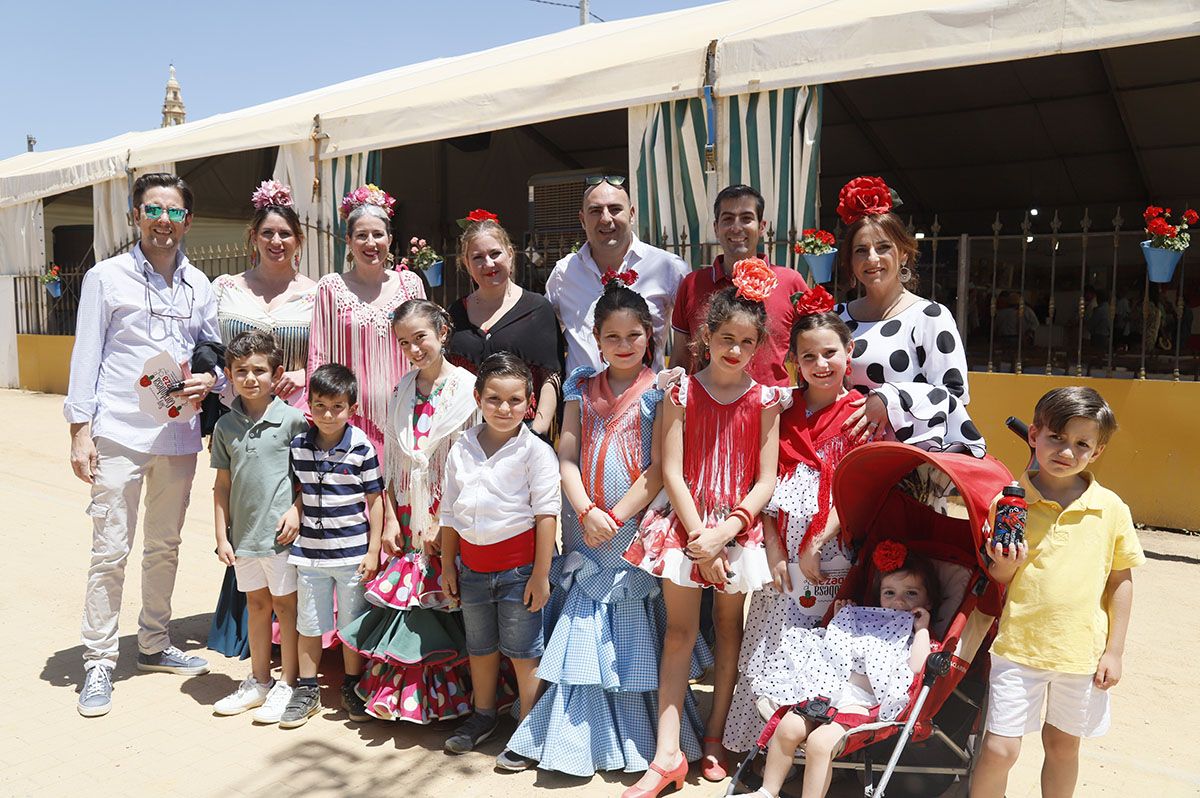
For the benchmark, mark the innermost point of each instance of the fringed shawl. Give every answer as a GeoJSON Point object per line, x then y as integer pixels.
{"type": "Point", "coordinates": [417, 473]}
{"type": "Point", "coordinates": [614, 421]}
{"type": "Point", "coordinates": [818, 442]}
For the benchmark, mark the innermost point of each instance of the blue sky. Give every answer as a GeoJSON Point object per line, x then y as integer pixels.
{"type": "Point", "coordinates": [79, 71]}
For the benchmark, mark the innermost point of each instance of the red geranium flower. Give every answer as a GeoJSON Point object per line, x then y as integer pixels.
{"type": "Point", "coordinates": [863, 196]}
{"type": "Point", "coordinates": [816, 300]}
{"type": "Point", "coordinates": [755, 280]}
{"type": "Point", "coordinates": [1190, 216]}
{"type": "Point", "coordinates": [1151, 212]}
{"type": "Point", "coordinates": [889, 556]}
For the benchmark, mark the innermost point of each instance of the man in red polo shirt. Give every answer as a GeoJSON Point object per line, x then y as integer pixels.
{"type": "Point", "coordinates": [739, 225]}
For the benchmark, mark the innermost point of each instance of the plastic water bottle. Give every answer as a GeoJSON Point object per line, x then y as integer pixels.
{"type": "Point", "coordinates": [1011, 512]}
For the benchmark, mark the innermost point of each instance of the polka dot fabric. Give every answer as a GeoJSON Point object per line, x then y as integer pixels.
{"type": "Point", "coordinates": [917, 363]}
{"type": "Point", "coordinates": [867, 640]}
{"type": "Point", "coordinates": [771, 613]}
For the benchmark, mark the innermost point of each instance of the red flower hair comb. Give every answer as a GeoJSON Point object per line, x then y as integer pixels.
{"type": "Point", "coordinates": [889, 556]}
{"type": "Point", "coordinates": [815, 300]}
{"type": "Point", "coordinates": [628, 278]}
{"type": "Point", "coordinates": [865, 196]}
{"type": "Point", "coordinates": [754, 279]}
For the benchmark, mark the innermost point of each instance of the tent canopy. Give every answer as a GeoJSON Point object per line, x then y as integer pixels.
{"type": "Point", "coordinates": [761, 44]}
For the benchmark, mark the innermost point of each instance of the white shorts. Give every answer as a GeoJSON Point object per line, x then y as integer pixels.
{"type": "Point", "coordinates": [315, 596]}
{"type": "Point", "coordinates": [272, 571]}
{"type": "Point", "coordinates": [1075, 705]}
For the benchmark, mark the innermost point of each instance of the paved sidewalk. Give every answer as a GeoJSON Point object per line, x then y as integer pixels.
{"type": "Point", "coordinates": [162, 739]}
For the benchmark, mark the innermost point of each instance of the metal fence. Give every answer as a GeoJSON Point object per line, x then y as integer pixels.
{"type": "Point", "coordinates": [1032, 297]}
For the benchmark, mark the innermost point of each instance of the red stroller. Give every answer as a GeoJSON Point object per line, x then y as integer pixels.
{"type": "Point", "coordinates": [936, 503]}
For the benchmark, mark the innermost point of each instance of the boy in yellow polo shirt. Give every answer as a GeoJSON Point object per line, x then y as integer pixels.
{"type": "Point", "coordinates": [1070, 590]}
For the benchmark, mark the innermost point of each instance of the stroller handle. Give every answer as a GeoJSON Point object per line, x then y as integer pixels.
{"type": "Point", "coordinates": [1018, 427]}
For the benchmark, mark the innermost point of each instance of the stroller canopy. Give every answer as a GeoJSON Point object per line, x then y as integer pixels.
{"type": "Point", "coordinates": [867, 477]}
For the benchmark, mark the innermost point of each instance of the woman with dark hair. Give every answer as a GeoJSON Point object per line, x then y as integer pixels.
{"type": "Point", "coordinates": [273, 297]}
{"type": "Point", "coordinates": [499, 315]}
{"type": "Point", "coordinates": [908, 358]}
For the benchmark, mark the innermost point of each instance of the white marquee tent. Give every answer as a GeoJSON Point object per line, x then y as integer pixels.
{"type": "Point", "coordinates": [656, 66]}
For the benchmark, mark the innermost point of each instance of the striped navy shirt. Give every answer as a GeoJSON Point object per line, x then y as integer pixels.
{"type": "Point", "coordinates": [334, 527]}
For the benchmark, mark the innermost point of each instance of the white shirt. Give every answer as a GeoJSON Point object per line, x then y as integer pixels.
{"type": "Point", "coordinates": [574, 287]}
{"type": "Point", "coordinates": [115, 334]}
{"type": "Point", "coordinates": [489, 500]}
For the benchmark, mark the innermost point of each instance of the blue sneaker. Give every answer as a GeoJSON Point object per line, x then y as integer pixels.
{"type": "Point", "coordinates": [172, 660]}
{"type": "Point", "coordinates": [95, 698]}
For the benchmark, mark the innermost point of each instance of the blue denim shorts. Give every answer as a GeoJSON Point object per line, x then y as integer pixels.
{"type": "Point", "coordinates": [495, 615]}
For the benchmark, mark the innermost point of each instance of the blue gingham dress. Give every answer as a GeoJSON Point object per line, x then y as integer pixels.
{"type": "Point", "coordinates": [605, 624]}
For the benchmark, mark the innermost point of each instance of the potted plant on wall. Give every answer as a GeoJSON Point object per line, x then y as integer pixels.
{"type": "Point", "coordinates": [52, 280]}
{"type": "Point", "coordinates": [817, 247]}
{"type": "Point", "coordinates": [422, 256]}
{"type": "Point", "coordinates": [1167, 241]}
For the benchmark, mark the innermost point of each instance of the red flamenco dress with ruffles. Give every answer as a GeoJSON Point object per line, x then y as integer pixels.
{"type": "Point", "coordinates": [720, 464]}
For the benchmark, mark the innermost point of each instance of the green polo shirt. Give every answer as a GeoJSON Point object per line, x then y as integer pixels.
{"type": "Point", "coordinates": [256, 454]}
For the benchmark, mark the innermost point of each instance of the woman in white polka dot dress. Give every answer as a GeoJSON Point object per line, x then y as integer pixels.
{"type": "Point", "coordinates": [908, 358]}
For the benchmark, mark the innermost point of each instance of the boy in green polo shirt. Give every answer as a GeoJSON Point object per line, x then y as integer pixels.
{"type": "Point", "coordinates": [252, 492]}
{"type": "Point", "coordinates": [1070, 591]}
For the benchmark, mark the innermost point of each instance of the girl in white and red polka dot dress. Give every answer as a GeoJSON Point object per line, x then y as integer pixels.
{"type": "Point", "coordinates": [414, 640]}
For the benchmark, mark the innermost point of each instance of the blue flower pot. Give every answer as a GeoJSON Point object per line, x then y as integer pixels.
{"type": "Point", "coordinates": [54, 288]}
{"type": "Point", "coordinates": [821, 266]}
{"type": "Point", "coordinates": [434, 273]}
{"type": "Point", "coordinates": [1160, 263]}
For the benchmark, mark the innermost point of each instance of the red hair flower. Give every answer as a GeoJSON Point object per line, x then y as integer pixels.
{"type": "Point", "coordinates": [889, 556]}
{"type": "Point", "coordinates": [815, 300]}
{"type": "Point", "coordinates": [628, 278]}
{"type": "Point", "coordinates": [755, 280]}
{"type": "Point", "coordinates": [864, 196]}
{"type": "Point", "coordinates": [480, 215]}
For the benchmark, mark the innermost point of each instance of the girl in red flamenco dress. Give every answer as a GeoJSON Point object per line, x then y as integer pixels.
{"type": "Point", "coordinates": [721, 446]}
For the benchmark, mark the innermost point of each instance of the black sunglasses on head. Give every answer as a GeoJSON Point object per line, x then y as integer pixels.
{"type": "Point", "coordinates": [612, 180]}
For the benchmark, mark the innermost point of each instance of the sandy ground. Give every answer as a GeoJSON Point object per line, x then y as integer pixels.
{"type": "Point", "coordinates": [161, 737]}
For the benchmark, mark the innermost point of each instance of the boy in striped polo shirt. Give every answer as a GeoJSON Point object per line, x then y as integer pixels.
{"type": "Point", "coordinates": [339, 514]}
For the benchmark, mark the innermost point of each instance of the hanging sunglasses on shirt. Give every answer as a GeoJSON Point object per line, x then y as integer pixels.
{"type": "Point", "coordinates": [188, 292]}
{"type": "Point", "coordinates": [155, 212]}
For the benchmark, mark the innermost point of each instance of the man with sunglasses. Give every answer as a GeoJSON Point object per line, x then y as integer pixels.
{"type": "Point", "coordinates": [607, 216]}
{"type": "Point", "coordinates": [131, 307]}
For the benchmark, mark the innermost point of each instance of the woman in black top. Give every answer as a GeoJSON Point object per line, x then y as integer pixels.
{"type": "Point", "coordinates": [500, 316]}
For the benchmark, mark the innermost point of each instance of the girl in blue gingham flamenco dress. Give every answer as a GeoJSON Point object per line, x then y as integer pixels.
{"type": "Point", "coordinates": [600, 708]}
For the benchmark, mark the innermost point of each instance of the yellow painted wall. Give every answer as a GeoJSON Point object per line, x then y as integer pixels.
{"type": "Point", "coordinates": [44, 362]}
{"type": "Point", "coordinates": [1153, 461]}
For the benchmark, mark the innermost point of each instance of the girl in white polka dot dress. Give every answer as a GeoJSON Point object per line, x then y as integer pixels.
{"type": "Point", "coordinates": [808, 559]}
{"type": "Point", "coordinates": [865, 662]}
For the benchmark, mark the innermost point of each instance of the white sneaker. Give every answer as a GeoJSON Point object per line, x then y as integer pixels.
{"type": "Point", "coordinates": [248, 695]}
{"type": "Point", "coordinates": [277, 700]}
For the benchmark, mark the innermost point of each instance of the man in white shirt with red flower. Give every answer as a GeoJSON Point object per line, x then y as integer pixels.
{"type": "Point", "coordinates": [132, 307]}
{"type": "Point", "coordinates": [607, 216]}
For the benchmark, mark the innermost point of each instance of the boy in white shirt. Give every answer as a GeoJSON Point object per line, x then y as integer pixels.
{"type": "Point", "coordinates": [499, 513]}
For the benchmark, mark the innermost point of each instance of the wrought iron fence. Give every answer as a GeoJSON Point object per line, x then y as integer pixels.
{"type": "Point", "coordinates": [1032, 297]}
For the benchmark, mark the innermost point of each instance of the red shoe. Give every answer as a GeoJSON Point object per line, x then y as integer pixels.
{"type": "Point", "coordinates": [665, 777]}
{"type": "Point", "coordinates": [713, 765]}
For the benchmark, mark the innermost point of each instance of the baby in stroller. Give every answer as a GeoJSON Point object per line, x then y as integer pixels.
{"type": "Point", "coordinates": [859, 669]}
